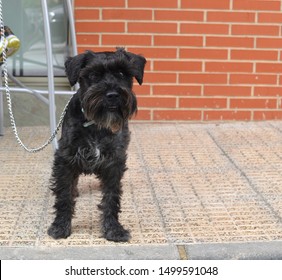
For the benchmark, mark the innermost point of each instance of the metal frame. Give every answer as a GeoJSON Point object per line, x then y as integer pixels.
{"type": "Point", "coordinates": [1, 108]}
{"type": "Point", "coordinates": [50, 67]}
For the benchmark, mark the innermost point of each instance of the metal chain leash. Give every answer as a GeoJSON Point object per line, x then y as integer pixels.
{"type": "Point", "coordinates": [9, 100]}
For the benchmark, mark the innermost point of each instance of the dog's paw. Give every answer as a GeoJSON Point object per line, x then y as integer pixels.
{"type": "Point", "coordinates": [59, 231]}
{"type": "Point", "coordinates": [117, 234]}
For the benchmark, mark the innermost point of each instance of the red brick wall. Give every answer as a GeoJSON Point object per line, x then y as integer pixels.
{"type": "Point", "coordinates": [207, 60]}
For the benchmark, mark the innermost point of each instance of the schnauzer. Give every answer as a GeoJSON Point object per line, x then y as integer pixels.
{"type": "Point", "coordinates": [95, 136]}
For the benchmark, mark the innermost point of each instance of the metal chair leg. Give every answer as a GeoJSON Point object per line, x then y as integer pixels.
{"type": "Point", "coordinates": [50, 73]}
{"type": "Point", "coordinates": [1, 108]}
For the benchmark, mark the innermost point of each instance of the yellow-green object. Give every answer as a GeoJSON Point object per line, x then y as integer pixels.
{"type": "Point", "coordinates": [10, 42]}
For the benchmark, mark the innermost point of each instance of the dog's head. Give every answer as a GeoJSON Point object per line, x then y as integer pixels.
{"type": "Point", "coordinates": [106, 80]}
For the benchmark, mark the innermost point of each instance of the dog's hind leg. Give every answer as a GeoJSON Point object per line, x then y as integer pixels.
{"type": "Point", "coordinates": [65, 190]}
{"type": "Point", "coordinates": [110, 205]}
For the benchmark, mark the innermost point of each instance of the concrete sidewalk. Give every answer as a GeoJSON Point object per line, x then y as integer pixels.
{"type": "Point", "coordinates": [192, 191]}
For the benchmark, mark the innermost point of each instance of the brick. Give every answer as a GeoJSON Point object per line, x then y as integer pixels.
{"type": "Point", "coordinates": [204, 78]}
{"type": "Point", "coordinates": [100, 3]}
{"type": "Point", "coordinates": [202, 102]}
{"type": "Point", "coordinates": [126, 40]}
{"type": "Point", "coordinates": [84, 14]}
{"type": "Point", "coordinates": [144, 115]}
{"type": "Point", "coordinates": [204, 53]}
{"type": "Point", "coordinates": [202, 28]}
{"type": "Point", "coordinates": [176, 90]}
{"type": "Point", "coordinates": [229, 67]}
{"type": "Point", "coordinates": [235, 42]}
{"type": "Point", "coordinates": [175, 115]}
{"type": "Point", "coordinates": [252, 103]}
{"type": "Point", "coordinates": [254, 55]}
{"type": "Point", "coordinates": [204, 4]}
{"type": "Point", "coordinates": [155, 52]}
{"type": "Point", "coordinates": [157, 77]}
{"type": "Point", "coordinates": [177, 66]}
{"type": "Point", "coordinates": [280, 79]}
{"type": "Point", "coordinates": [164, 102]}
{"type": "Point", "coordinates": [148, 27]}
{"type": "Point", "coordinates": [269, 30]}
{"type": "Point", "coordinates": [144, 90]}
{"type": "Point", "coordinates": [152, 4]}
{"type": "Point", "coordinates": [255, 5]}
{"type": "Point", "coordinates": [87, 39]}
{"type": "Point", "coordinates": [227, 90]}
{"type": "Point", "coordinates": [230, 16]}
{"type": "Point", "coordinates": [227, 115]}
{"type": "Point", "coordinates": [98, 27]}
{"type": "Point", "coordinates": [268, 91]}
{"type": "Point", "coordinates": [175, 40]}
{"type": "Point", "coordinates": [126, 14]}
{"type": "Point", "coordinates": [174, 73]}
{"type": "Point", "coordinates": [271, 43]}
{"type": "Point", "coordinates": [179, 15]}
{"type": "Point", "coordinates": [267, 115]}
{"type": "Point", "coordinates": [268, 67]}
{"type": "Point", "coordinates": [270, 17]}
{"type": "Point", "coordinates": [253, 79]}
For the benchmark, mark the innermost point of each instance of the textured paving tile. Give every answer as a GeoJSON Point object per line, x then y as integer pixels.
{"type": "Point", "coordinates": [186, 184]}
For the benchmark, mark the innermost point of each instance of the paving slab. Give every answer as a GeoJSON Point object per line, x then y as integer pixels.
{"type": "Point", "coordinates": [271, 250]}
{"type": "Point", "coordinates": [187, 184]}
{"type": "Point", "coordinates": [134, 252]}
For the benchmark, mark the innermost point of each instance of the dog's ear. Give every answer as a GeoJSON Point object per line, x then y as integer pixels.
{"type": "Point", "coordinates": [133, 109]}
{"type": "Point", "coordinates": [138, 62]}
{"type": "Point", "coordinates": [73, 66]}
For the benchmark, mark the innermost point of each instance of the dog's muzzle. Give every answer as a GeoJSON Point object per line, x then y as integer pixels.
{"type": "Point", "coordinates": [112, 99]}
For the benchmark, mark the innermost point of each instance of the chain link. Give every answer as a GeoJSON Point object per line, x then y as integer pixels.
{"type": "Point", "coordinates": [9, 100]}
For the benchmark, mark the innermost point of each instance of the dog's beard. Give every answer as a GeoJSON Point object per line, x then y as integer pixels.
{"type": "Point", "coordinates": [95, 109]}
{"type": "Point", "coordinates": [113, 122]}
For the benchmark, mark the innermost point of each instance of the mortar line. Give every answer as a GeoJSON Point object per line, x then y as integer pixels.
{"type": "Point", "coordinates": [43, 217]}
{"type": "Point", "coordinates": [135, 208]}
{"type": "Point", "coordinates": [175, 191]}
{"type": "Point", "coordinates": [244, 175]}
{"type": "Point", "coordinates": [218, 195]}
{"type": "Point", "coordinates": [193, 187]}
{"type": "Point", "coordinates": [275, 127]}
{"type": "Point", "coordinates": [182, 252]}
{"type": "Point", "coordinates": [152, 189]}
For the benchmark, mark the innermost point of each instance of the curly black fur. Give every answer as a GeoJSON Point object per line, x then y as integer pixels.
{"type": "Point", "coordinates": [95, 136]}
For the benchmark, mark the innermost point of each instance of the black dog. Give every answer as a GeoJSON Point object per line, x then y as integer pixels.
{"type": "Point", "coordinates": [95, 135]}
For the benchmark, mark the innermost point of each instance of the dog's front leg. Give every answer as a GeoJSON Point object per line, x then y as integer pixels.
{"type": "Point", "coordinates": [110, 206]}
{"type": "Point", "coordinates": [65, 189]}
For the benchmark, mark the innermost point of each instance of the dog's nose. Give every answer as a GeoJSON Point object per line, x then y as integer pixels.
{"type": "Point", "coordinates": [112, 95]}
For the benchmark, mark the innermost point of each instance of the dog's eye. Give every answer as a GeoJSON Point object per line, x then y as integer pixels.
{"type": "Point", "coordinates": [121, 74]}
